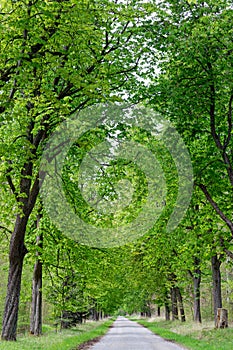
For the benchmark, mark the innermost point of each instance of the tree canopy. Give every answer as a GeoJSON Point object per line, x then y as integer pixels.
{"type": "Point", "coordinates": [61, 60]}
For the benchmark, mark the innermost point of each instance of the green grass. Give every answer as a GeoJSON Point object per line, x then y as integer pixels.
{"type": "Point", "coordinates": [192, 336]}
{"type": "Point", "coordinates": [65, 340]}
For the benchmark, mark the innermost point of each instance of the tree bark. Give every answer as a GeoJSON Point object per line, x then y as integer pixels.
{"type": "Point", "coordinates": [167, 312]}
{"type": "Point", "coordinates": [217, 292]}
{"type": "Point", "coordinates": [96, 314]}
{"type": "Point", "coordinates": [16, 258]}
{"type": "Point", "coordinates": [196, 276]}
{"type": "Point", "coordinates": [27, 199]}
{"type": "Point", "coordinates": [158, 311]}
{"type": "Point", "coordinates": [222, 318]}
{"type": "Point", "coordinates": [36, 305]}
{"type": "Point", "coordinates": [180, 303]}
{"type": "Point", "coordinates": [36, 308]}
{"type": "Point", "coordinates": [174, 304]}
{"type": "Point", "coordinates": [167, 307]}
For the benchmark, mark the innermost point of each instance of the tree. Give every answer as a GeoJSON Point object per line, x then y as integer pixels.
{"type": "Point", "coordinates": [194, 90]}
{"type": "Point", "coordinates": [57, 58]}
{"type": "Point", "coordinates": [216, 276]}
{"type": "Point", "coordinates": [36, 306]}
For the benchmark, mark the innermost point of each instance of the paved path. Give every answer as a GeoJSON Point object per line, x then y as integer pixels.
{"type": "Point", "coordinates": [129, 335]}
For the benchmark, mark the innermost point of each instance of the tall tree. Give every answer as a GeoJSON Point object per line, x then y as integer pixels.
{"type": "Point", "coordinates": [57, 57]}
{"type": "Point", "coordinates": [194, 89]}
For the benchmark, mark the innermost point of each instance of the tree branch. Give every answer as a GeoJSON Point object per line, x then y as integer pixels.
{"type": "Point", "coordinates": [228, 253]}
{"type": "Point", "coordinates": [12, 186]}
{"type": "Point", "coordinates": [229, 120]}
{"type": "Point", "coordinates": [34, 193]}
{"type": "Point", "coordinates": [216, 207]}
{"type": "Point", "coordinates": [216, 137]}
{"type": "Point", "coordinates": [5, 229]}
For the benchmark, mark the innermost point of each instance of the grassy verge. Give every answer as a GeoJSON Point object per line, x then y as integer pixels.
{"type": "Point", "coordinates": [65, 340]}
{"type": "Point", "coordinates": [192, 336]}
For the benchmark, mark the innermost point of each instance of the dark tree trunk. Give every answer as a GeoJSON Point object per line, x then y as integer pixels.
{"type": "Point", "coordinates": [36, 306]}
{"type": "Point", "coordinates": [167, 307]}
{"type": "Point", "coordinates": [66, 320]}
{"type": "Point", "coordinates": [174, 304]}
{"type": "Point", "coordinates": [197, 294]}
{"type": "Point", "coordinates": [180, 303]}
{"type": "Point", "coordinates": [16, 258]}
{"type": "Point", "coordinates": [27, 199]}
{"type": "Point", "coordinates": [158, 311]}
{"type": "Point", "coordinates": [217, 292]}
{"type": "Point", "coordinates": [167, 311]}
{"type": "Point", "coordinates": [95, 314]}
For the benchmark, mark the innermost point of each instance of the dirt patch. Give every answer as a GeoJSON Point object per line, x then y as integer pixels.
{"type": "Point", "coordinates": [88, 344]}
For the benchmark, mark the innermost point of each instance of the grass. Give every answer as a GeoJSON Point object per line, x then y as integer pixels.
{"type": "Point", "coordinates": [191, 335]}
{"type": "Point", "coordinates": [65, 340]}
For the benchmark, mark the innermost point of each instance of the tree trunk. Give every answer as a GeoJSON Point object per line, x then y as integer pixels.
{"type": "Point", "coordinates": [167, 312]}
{"type": "Point", "coordinates": [36, 306]}
{"type": "Point", "coordinates": [197, 293]}
{"type": "Point", "coordinates": [167, 308]}
{"type": "Point", "coordinates": [217, 292]}
{"type": "Point", "coordinates": [222, 318]}
{"type": "Point", "coordinates": [174, 304]}
{"type": "Point", "coordinates": [180, 303]}
{"type": "Point", "coordinates": [95, 315]}
{"type": "Point", "coordinates": [16, 257]}
{"type": "Point", "coordinates": [18, 251]}
{"type": "Point", "coordinates": [158, 311]}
